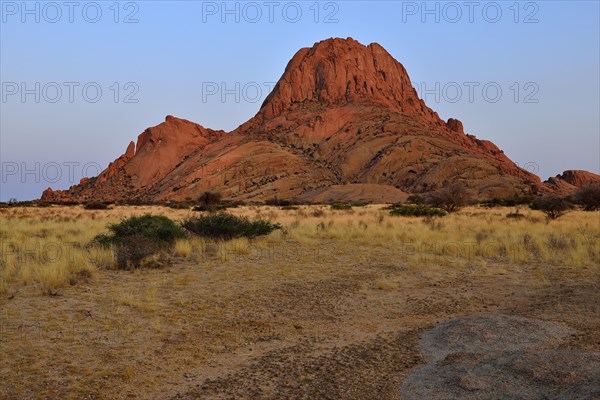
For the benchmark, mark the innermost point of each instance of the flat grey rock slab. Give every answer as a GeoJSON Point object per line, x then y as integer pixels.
{"type": "Point", "coordinates": [502, 357]}
{"type": "Point", "coordinates": [495, 333]}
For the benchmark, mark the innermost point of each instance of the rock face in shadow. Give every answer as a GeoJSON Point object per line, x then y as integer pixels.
{"type": "Point", "coordinates": [342, 114]}
{"type": "Point", "coordinates": [502, 358]}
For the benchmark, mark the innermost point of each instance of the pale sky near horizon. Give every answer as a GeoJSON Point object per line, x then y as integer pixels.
{"type": "Point", "coordinates": [80, 80]}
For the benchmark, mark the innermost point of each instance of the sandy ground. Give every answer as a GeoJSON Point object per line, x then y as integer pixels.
{"type": "Point", "coordinates": [326, 328]}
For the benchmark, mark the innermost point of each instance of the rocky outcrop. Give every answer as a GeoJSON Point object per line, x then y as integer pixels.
{"type": "Point", "coordinates": [455, 125]}
{"type": "Point", "coordinates": [159, 150]}
{"type": "Point", "coordinates": [343, 121]}
{"type": "Point", "coordinates": [571, 180]}
{"type": "Point", "coordinates": [343, 71]}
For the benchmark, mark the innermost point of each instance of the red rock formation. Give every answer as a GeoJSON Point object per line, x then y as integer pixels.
{"type": "Point", "coordinates": [343, 121]}
{"type": "Point", "coordinates": [158, 152]}
{"type": "Point", "coordinates": [455, 125]}
{"type": "Point", "coordinates": [343, 71]}
{"type": "Point", "coordinates": [571, 180]}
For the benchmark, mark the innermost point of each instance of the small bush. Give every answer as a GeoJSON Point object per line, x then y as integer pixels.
{"type": "Point", "coordinates": [155, 227]}
{"type": "Point", "coordinates": [96, 206]}
{"type": "Point", "coordinates": [136, 238]}
{"type": "Point", "coordinates": [229, 204]}
{"type": "Point", "coordinates": [515, 215]}
{"type": "Point", "coordinates": [226, 226]}
{"type": "Point", "coordinates": [216, 207]}
{"type": "Point", "coordinates": [132, 250]}
{"type": "Point", "coordinates": [393, 206]}
{"type": "Point", "coordinates": [179, 206]}
{"type": "Point", "coordinates": [417, 210]}
{"type": "Point", "coordinates": [507, 202]}
{"type": "Point", "coordinates": [278, 202]}
{"type": "Point", "coordinates": [553, 206]}
{"type": "Point", "coordinates": [415, 199]}
{"type": "Point", "coordinates": [341, 206]}
{"type": "Point", "coordinates": [208, 201]}
{"type": "Point", "coordinates": [290, 207]}
{"type": "Point", "coordinates": [588, 197]}
{"type": "Point", "coordinates": [210, 198]}
{"type": "Point", "coordinates": [135, 202]}
{"type": "Point", "coordinates": [491, 203]}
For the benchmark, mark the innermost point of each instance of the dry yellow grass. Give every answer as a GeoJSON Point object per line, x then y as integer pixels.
{"type": "Point", "coordinates": [46, 247]}
{"type": "Point", "coordinates": [183, 248]}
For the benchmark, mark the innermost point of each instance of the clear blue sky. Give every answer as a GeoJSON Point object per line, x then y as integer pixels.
{"type": "Point", "coordinates": [176, 51]}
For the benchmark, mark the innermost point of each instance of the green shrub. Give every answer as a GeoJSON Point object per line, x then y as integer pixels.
{"type": "Point", "coordinates": [415, 199]}
{"type": "Point", "coordinates": [392, 206]}
{"type": "Point", "coordinates": [278, 202]}
{"type": "Point", "coordinates": [96, 206]}
{"type": "Point", "coordinates": [290, 207]}
{"type": "Point", "coordinates": [156, 227]}
{"type": "Point", "coordinates": [417, 210]}
{"type": "Point", "coordinates": [178, 206]}
{"type": "Point", "coordinates": [226, 226]}
{"type": "Point", "coordinates": [515, 215]}
{"type": "Point", "coordinates": [216, 207]}
{"type": "Point", "coordinates": [103, 240]}
{"type": "Point", "coordinates": [507, 202]}
{"type": "Point", "coordinates": [553, 206]}
{"type": "Point", "coordinates": [341, 206]}
{"type": "Point", "coordinates": [136, 238]}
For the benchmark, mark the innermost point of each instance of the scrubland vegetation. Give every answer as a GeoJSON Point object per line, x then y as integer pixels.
{"type": "Point", "coordinates": [55, 246]}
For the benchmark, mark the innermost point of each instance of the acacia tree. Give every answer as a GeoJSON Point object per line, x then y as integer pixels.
{"type": "Point", "coordinates": [209, 200]}
{"type": "Point", "coordinates": [552, 206]}
{"type": "Point", "coordinates": [450, 198]}
{"type": "Point", "coordinates": [588, 197]}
